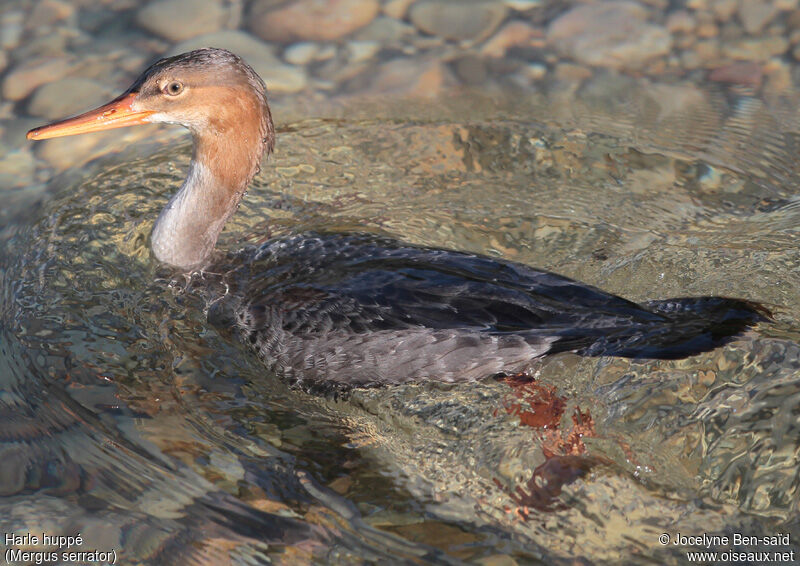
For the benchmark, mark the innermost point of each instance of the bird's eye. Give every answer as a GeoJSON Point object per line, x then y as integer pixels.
{"type": "Point", "coordinates": [173, 88]}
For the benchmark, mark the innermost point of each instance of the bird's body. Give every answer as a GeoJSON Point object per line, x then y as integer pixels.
{"type": "Point", "coordinates": [361, 309]}
{"type": "Point", "coordinates": [358, 309]}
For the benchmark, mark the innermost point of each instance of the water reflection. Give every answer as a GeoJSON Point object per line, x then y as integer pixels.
{"type": "Point", "coordinates": [133, 420]}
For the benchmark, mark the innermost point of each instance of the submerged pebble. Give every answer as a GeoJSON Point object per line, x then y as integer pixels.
{"type": "Point", "coordinates": [613, 34]}
{"type": "Point", "coordinates": [318, 20]}
{"type": "Point", "coordinates": [411, 78]}
{"type": "Point", "coordinates": [513, 34]}
{"type": "Point", "coordinates": [397, 8]}
{"type": "Point", "coordinates": [49, 12]}
{"type": "Point", "coordinates": [301, 53]}
{"type": "Point", "coordinates": [759, 49]}
{"type": "Point", "coordinates": [384, 30]}
{"type": "Point", "coordinates": [67, 96]}
{"type": "Point", "coordinates": [756, 15]}
{"type": "Point", "coordinates": [360, 51]}
{"type": "Point", "coordinates": [25, 77]}
{"type": "Point", "coordinates": [723, 10]}
{"type": "Point", "coordinates": [522, 5]}
{"type": "Point", "coordinates": [458, 20]}
{"type": "Point", "coordinates": [196, 17]}
{"type": "Point", "coordinates": [404, 47]}
{"type": "Point", "coordinates": [680, 21]}
{"type": "Point", "coordinates": [738, 73]}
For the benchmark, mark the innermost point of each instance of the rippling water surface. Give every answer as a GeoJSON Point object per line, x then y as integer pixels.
{"type": "Point", "coordinates": [127, 417]}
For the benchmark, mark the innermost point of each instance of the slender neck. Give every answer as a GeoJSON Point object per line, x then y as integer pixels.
{"type": "Point", "coordinates": [223, 164]}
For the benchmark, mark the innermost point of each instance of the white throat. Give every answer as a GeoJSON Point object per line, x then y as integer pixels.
{"type": "Point", "coordinates": [187, 229]}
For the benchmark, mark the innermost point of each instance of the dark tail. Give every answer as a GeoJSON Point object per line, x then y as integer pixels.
{"type": "Point", "coordinates": [690, 326]}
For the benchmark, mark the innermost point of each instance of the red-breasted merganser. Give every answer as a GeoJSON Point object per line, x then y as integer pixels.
{"type": "Point", "coordinates": [360, 309]}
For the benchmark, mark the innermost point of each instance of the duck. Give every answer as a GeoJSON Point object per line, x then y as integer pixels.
{"type": "Point", "coordinates": [364, 309]}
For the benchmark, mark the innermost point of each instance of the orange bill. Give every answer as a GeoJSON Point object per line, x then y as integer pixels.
{"type": "Point", "coordinates": [116, 114]}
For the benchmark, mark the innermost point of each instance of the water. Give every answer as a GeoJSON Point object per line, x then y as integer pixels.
{"type": "Point", "coordinates": [130, 419]}
{"type": "Point", "coordinates": [109, 350]}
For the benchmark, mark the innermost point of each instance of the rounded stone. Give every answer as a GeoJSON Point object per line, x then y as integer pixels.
{"type": "Point", "coordinates": [534, 71]}
{"type": "Point", "coordinates": [278, 76]}
{"type": "Point", "coordinates": [756, 15]}
{"type": "Point", "coordinates": [723, 10]}
{"type": "Point", "coordinates": [680, 21]}
{"type": "Point", "coordinates": [749, 74]}
{"type": "Point", "coordinates": [316, 20]}
{"type": "Point", "coordinates": [779, 77]}
{"type": "Point", "coordinates": [384, 30]}
{"type": "Point", "coordinates": [523, 5]}
{"type": "Point", "coordinates": [609, 34]}
{"type": "Point", "coordinates": [513, 34]}
{"type": "Point", "coordinates": [326, 52]}
{"type": "Point", "coordinates": [458, 20]}
{"type": "Point", "coordinates": [301, 53]}
{"type": "Point", "coordinates": [49, 12]}
{"type": "Point", "coordinates": [397, 9]}
{"type": "Point", "coordinates": [571, 73]}
{"type": "Point", "coordinates": [407, 77]}
{"type": "Point", "coordinates": [29, 75]}
{"type": "Point", "coordinates": [196, 17]}
{"type": "Point", "coordinates": [359, 51]}
{"type": "Point", "coordinates": [67, 97]}
{"type": "Point", "coordinates": [756, 49]}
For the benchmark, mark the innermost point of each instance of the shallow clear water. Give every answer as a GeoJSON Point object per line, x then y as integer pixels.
{"type": "Point", "coordinates": [127, 417]}
{"type": "Point", "coordinates": [130, 419]}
